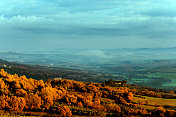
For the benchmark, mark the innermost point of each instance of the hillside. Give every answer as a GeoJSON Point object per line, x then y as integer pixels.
{"type": "Point", "coordinates": [62, 97]}
{"type": "Point", "coordinates": [44, 72]}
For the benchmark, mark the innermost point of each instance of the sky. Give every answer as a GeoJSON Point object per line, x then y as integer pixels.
{"type": "Point", "coordinates": [87, 24]}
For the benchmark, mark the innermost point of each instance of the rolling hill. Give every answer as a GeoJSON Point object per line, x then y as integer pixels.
{"type": "Point", "coordinates": [62, 97]}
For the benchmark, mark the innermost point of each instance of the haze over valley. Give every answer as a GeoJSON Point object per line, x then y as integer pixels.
{"type": "Point", "coordinates": [142, 66]}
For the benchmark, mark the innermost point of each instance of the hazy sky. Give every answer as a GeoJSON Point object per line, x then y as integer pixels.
{"type": "Point", "coordinates": [51, 24]}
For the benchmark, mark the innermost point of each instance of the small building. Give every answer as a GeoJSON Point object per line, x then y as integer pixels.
{"type": "Point", "coordinates": [112, 82]}
{"type": "Point", "coordinates": [119, 82]}
{"type": "Point", "coordinates": [57, 78]}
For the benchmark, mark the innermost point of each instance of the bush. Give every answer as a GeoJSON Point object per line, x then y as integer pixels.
{"type": "Point", "coordinates": [64, 111]}
{"type": "Point", "coordinates": [170, 113]}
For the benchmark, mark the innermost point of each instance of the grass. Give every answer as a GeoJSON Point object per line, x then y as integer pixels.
{"type": "Point", "coordinates": [161, 101]}
{"type": "Point", "coordinates": [155, 101]}
{"type": "Point", "coordinates": [164, 75]}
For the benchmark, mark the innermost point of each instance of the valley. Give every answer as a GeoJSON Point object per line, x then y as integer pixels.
{"type": "Point", "coordinates": [145, 67]}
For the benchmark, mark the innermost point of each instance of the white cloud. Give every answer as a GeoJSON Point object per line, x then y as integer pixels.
{"type": "Point", "coordinates": [95, 53]}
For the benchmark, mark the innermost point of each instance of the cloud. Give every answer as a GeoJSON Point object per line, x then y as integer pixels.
{"type": "Point", "coordinates": [160, 12]}
{"type": "Point", "coordinates": [95, 53]}
{"type": "Point", "coordinates": [92, 20]}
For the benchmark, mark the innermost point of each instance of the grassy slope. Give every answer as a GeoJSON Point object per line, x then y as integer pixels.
{"type": "Point", "coordinates": [155, 101]}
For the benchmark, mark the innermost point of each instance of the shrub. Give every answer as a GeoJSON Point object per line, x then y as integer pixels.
{"type": "Point", "coordinates": [170, 113]}
{"type": "Point", "coordinates": [64, 111]}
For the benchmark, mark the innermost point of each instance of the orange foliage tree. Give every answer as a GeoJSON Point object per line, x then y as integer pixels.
{"type": "Point", "coordinates": [113, 108]}
{"type": "Point", "coordinates": [64, 111]}
{"type": "Point", "coordinates": [33, 101]}
{"type": "Point", "coordinates": [16, 103]}
{"type": "Point", "coordinates": [4, 102]}
{"type": "Point", "coordinates": [130, 97]}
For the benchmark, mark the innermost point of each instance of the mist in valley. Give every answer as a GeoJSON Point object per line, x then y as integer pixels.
{"type": "Point", "coordinates": [154, 67]}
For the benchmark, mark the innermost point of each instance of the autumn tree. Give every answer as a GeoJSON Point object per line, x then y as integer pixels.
{"type": "Point", "coordinates": [16, 103]}
{"type": "Point", "coordinates": [64, 111]}
{"type": "Point", "coordinates": [4, 102]}
{"type": "Point", "coordinates": [71, 99]}
{"type": "Point", "coordinates": [170, 113]}
{"type": "Point", "coordinates": [79, 104]}
{"type": "Point", "coordinates": [21, 92]}
{"type": "Point", "coordinates": [113, 108]}
{"type": "Point", "coordinates": [50, 94]}
{"type": "Point", "coordinates": [33, 101]}
{"type": "Point", "coordinates": [3, 73]}
{"type": "Point", "coordinates": [159, 111]}
{"type": "Point", "coordinates": [26, 83]}
{"type": "Point", "coordinates": [2, 84]}
{"type": "Point", "coordinates": [130, 97]}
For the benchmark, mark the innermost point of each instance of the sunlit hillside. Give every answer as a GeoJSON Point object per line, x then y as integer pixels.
{"type": "Point", "coordinates": [61, 97]}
